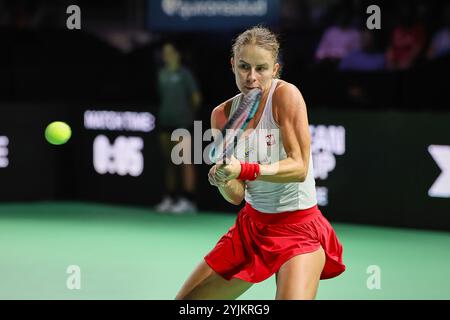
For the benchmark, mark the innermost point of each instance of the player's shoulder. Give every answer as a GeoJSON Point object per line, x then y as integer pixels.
{"type": "Point", "coordinates": [219, 114]}
{"type": "Point", "coordinates": [287, 101]}
{"type": "Point", "coordinates": [285, 89]}
{"type": "Point", "coordinates": [223, 107]}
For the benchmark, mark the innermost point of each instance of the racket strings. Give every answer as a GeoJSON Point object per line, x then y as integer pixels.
{"type": "Point", "coordinates": [226, 142]}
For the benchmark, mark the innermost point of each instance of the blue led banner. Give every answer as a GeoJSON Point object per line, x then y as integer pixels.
{"type": "Point", "coordinates": [190, 15]}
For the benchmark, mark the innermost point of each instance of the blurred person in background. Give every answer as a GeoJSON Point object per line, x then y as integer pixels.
{"type": "Point", "coordinates": [339, 39]}
{"type": "Point", "coordinates": [179, 99]}
{"type": "Point", "coordinates": [365, 58]}
{"type": "Point", "coordinates": [407, 40]}
{"type": "Point", "coordinates": [440, 43]}
{"type": "Point", "coordinates": [369, 58]}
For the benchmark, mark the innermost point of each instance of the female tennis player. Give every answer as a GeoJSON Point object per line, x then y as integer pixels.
{"type": "Point", "coordinates": [280, 230]}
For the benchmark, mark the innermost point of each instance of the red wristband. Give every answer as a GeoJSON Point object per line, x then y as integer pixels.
{"type": "Point", "coordinates": [249, 171]}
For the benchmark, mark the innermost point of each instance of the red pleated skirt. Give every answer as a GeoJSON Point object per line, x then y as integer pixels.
{"type": "Point", "coordinates": [258, 244]}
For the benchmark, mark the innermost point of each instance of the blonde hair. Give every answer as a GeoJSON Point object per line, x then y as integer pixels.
{"type": "Point", "coordinates": [261, 37]}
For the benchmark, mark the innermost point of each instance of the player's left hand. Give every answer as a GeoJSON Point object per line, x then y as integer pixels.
{"type": "Point", "coordinates": [227, 172]}
{"type": "Point", "coordinates": [212, 177]}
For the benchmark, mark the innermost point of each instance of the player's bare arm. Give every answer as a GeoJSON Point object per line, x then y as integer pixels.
{"type": "Point", "coordinates": [290, 113]}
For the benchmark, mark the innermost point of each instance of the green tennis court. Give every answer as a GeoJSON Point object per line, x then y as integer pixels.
{"type": "Point", "coordinates": [134, 253]}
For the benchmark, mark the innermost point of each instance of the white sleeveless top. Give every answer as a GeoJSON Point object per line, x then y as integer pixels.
{"type": "Point", "coordinates": [264, 145]}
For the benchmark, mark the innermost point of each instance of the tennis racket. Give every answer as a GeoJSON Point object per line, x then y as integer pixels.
{"type": "Point", "coordinates": [223, 146]}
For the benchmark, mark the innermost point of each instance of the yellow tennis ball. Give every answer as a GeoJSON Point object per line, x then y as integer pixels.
{"type": "Point", "coordinates": [58, 132]}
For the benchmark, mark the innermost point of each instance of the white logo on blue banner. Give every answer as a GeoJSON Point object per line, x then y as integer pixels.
{"type": "Point", "coordinates": [192, 8]}
{"type": "Point", "coordinates": [183, 15]}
